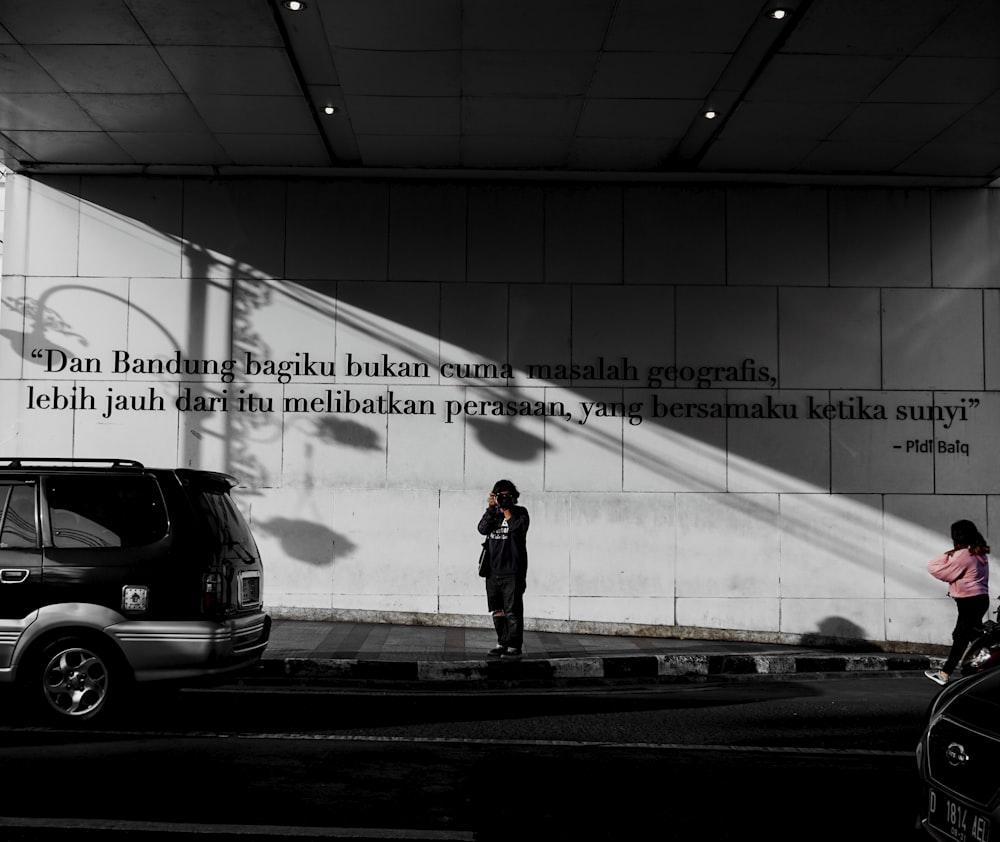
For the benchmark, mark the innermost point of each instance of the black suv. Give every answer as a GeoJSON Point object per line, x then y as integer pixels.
{"type": "Point", "coordinates": [113, 573]}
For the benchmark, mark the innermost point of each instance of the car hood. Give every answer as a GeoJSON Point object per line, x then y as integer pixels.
{"type": "Point", "coordinates": [974, 702]}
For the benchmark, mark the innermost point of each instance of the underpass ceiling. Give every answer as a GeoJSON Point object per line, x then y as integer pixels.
{"type": "Point", "coordinates": [839, 90]}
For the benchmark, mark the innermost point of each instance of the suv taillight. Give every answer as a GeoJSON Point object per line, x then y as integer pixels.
{"type": "Point", "coordinates": [213, 594]}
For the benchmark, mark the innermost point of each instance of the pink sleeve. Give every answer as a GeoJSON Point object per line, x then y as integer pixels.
{"type": "Point", "coordinates": [946, 568]}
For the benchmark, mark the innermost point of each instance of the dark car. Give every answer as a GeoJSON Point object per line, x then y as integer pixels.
{"type": "Point", "coordinates": [112, 573]}
{"type": "Point", "coordinates": [958, 760]}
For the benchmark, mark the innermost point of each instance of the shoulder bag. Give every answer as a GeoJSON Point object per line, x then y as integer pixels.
{"type": "Point", "coordinates": [484, 559]}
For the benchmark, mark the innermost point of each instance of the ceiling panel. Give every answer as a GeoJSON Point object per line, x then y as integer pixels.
{"type": "Point", "coordinates": [400, 72]}
{"type": "Point", "coordinates": [797, 78]}
{"type": "Point", "coordinates": [678, 28]}
{"type": "Point", "coordinates": [530, 74]}
{"type": "Point", "coordinates": [71, 22]}
{"type": "Point", "coordinates": [254, 71]}
{"type": "Point", "coordinates": [254, 149]}
{"type": "Point", "coordinates": [969, 30]}
{"type": "Point", "coordinates": [756, 121]}
{"type": "Point", "coordinates": [405, 115]}
{"type": "Point", "coordinates": [148, 113]}
{"type": "Point", "coordinates": [901, 122]}
{"type": "Point", "coordinates": [597, 154]}
{"type": "Point", "coordinates": [267, 115]}
{"type": "Point", "coordinates": [241, 23]}
{"type": "Point", "coordinates": [420, 151]}
{"type": "Point", "coordinates": [558, 26]}
{"type": "Point", "coordinates": [85, 149]}
{"type": "Point", "coordinates": [20, 72]}
{"type": "Point", "coordinates": [657, 75]}
{"type": "Point", "coordinates": [637, 118]}
{"type": "Point", "coordinates": [858, 157]}
{"type": "Point", "coordinates": [900, 90]}
{"type": "Point", "coordinates": [392, 24]}
{"type": "Point", "coordinates": [498, 153]}
{"type": "Point", "coordinates": [555, 117]}
{"type": "Point", "coordinates": [940, 79]}
{"type": "Point", "coordinates": [101, 68]}
{"type": "Point", "coordinates": [861, 27]}
{"type": "Point", "coordinates": [44, 112]}
{"type": "Point", "coordinates": [173, 148]}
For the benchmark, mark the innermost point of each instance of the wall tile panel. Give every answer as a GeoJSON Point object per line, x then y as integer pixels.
{"type": "Point", "coordinates": [675, 235]}
{"type": "Point", "coordinates": [741, 559]}
{"type": "Point", "coordinates": [673, 449]}
{"type": "Point", "coordinates": [932, 339]}
{"type": "Point", "coordinates": [723, 326]}
{"type": "Point", "coordinates": [633, 345]}
{"type": "Point", "coordinates": [830, 338]}
{"type": "Point", "coordinates": [141, 236]}
{"type": "Point", "coordinates": [583, 235]}
{"type": "Point", "coordinates": [777, 236]}
{"type": "Point", "coordinates": [427, 232]}
{"type": "Point", "coordinates": [506, 234]}
{"type": "Point", "coordinates": [788, 451]}
{"type": "Point", "coordinates": [965, 238]}
{"type": "Point", "coordinates": [872, 453]}
{"type": "Point", "coordinates": [337, 230]}
{"type": "Point", "coordinates": [822, 560]}
{"type": "Point", "coordinates": [880, 238]}
{"type": "Point", "coordinates": [229, 228]}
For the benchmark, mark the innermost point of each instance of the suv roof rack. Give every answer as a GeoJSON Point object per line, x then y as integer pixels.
{"type": "Point", "coordinates": [38, 462]}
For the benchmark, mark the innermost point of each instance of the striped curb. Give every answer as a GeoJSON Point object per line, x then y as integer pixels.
{"type": "Point", "coordinates": [608, 668]}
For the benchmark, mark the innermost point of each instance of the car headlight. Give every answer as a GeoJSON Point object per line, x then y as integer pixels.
{"type": "Point", "coordinates": [981, 656]}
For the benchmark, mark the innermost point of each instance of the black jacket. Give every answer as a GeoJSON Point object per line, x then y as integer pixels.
{"type": "Point", "coordinates": [508, 548]}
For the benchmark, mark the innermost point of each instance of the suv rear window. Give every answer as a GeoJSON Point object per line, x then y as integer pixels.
{"type": "Point", "coordinates": [105, 511]}
{"type": "Point", "coordinates": [228, 525]}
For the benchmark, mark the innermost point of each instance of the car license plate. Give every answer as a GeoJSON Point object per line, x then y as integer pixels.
{"type": "Point", "coordinates": [955, 819]}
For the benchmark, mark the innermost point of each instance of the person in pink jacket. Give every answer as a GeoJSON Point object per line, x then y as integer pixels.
{"type": "Point", "coordinates": [966, 569]}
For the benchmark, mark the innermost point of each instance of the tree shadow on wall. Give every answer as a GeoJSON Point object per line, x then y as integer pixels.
{"type": "Point", "coordinates": [497, 437]}
{"type": "Point", "coordinates": [44, 323]}
{"type": "Point", "coordinates": [347, 432]}
{"type": "Point", "coordinates": [305, 540]}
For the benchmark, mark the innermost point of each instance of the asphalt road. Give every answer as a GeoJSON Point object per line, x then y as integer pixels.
{"type": "Point", "coordinates": [782, 759]}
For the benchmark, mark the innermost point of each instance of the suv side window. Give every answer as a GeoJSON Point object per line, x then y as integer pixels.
{"type": "Point", "coordinates": [105, 511]}
{"type": "Point", "coordinates": [17, 517]}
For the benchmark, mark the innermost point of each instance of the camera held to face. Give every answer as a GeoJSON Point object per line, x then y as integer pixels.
{"type": "Point", "coordinates": [505, 500]}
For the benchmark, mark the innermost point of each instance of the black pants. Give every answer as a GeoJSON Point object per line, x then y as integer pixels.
{"type": "Point", "coordinates": [970, 618]}
{"type": "Point", "coordinates": [505, 599]}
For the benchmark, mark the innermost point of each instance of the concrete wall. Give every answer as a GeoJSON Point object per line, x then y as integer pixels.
{"type": "Point", "coordinates": [783, 396]}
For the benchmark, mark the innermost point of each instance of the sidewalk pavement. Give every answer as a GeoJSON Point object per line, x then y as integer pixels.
{"type": "Point", "coordinates": [434, 657]}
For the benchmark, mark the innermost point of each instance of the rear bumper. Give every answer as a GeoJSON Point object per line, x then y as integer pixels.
{"type": "Point", "coordinates": [185, 650]}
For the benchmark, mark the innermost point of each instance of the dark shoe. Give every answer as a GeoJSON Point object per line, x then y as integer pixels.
{"type": "Point", "coordinates": [496, 652]}
{"type": "Point", "coordinates": [511, 655]}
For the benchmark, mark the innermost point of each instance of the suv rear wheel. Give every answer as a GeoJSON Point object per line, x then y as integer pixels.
{"type": "Point", "coordinates": [75, 678]}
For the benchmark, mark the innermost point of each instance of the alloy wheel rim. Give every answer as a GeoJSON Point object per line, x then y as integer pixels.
{"type": "Point", "coordinates": [75, 682]}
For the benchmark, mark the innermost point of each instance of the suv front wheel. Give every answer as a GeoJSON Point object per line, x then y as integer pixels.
{"type": "Point", "coordinates": [75, 678]}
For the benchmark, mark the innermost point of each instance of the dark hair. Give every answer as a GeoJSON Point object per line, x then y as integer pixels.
{"type": "Point", "coordinates": [508, 486]}
{"type": "Point", "coordinates": [964, 535]}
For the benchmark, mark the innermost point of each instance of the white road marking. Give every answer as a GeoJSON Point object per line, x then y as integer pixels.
{"type": "Point", "coordinates": [292, 736]}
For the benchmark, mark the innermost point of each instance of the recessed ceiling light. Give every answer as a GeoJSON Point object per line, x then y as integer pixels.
{"type": "Point", "coordinates": [778, 14]}
{"type": "Point", "coordinates": [294, 5]}
{"type": "Point", "coordinates": [710, 115]}
{"type": "Point", "coordinates": [329, 109]}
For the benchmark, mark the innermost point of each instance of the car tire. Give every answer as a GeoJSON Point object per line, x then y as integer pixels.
{"type": "Point", "coordinates": [75, 680]}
